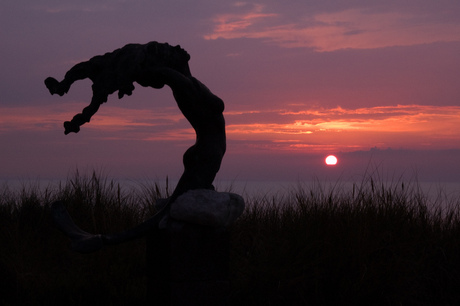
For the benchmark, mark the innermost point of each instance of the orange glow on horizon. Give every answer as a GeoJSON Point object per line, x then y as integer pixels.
{"type": "Point", "coordinates": [352, 129]}
{"type": "Point", "coordinates": [407, 126]}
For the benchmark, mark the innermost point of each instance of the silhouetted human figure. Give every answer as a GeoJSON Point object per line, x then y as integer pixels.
{"type": "Point", "coordinates": [151, 65]}
{"type": "Point", "coordinates": [118, 70]}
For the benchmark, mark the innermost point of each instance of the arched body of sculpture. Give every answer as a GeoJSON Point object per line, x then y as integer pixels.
{"type": "Point", "coordinates": [150, 65]}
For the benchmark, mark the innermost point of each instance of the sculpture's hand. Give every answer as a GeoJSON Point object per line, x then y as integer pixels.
{"type": "Point", "coordinates": [80, 119]}
{"type": "Point", "coordinates": [71, 127]}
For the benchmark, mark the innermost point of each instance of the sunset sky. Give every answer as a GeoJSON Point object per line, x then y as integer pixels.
{"type": "Point", "coordinates": [376, 83]}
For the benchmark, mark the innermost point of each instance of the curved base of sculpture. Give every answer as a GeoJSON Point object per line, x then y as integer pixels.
{"type": "Point", "coordinates": [201, 207]}
{"type": "Point", "coordinates": [84, 242]}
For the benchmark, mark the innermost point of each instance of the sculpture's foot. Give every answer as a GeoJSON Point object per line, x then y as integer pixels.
{"type": "Point", "coordinates": [55, 87]}
{"type": "Point", "coordinates": [69, 126]}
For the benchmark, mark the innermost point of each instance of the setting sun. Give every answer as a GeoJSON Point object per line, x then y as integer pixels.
{"type": "Point", "coordinates": [331, 160]}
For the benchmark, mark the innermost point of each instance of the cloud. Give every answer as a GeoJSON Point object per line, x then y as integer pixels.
{"type": "Point", "coordinates": [350, 129]}
{"type": "Point", "coordinates": [325, 32]}
{"type": "Point", "coordinates": [234, 25]}
{"type": "Point", "coordinates": [115, 122]}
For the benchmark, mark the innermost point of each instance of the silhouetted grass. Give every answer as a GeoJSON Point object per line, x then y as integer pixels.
{"type": "Point", "coordinates": [373, 244]}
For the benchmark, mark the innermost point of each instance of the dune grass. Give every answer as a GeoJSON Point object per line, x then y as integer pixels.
{"type": "Point", "coordinates": [376, 243]}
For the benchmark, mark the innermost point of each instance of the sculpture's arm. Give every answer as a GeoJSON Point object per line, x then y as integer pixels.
{"type": "Point", "coordinates": [81, 118]}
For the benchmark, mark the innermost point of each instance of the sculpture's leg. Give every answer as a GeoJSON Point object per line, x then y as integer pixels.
{"type": "Point", "coordinates": [199, 173]}
{"type": "Point", "coordinates": [54, 86]}
{"type": "Point", "coordinates": [80, 71]}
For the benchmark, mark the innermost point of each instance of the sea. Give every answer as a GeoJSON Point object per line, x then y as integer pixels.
{"type": "Point", "coordinates": [445, 193]}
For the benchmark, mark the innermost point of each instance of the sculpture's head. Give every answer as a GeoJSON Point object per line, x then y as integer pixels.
{"type": "Point", "coordinates": [172, 57]}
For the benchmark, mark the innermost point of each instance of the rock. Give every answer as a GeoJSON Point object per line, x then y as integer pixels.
{"type": "Point", "coordinates": [207, 207]}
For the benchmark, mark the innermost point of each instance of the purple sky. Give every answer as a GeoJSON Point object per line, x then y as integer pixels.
{"type": "Point", "coordinates": [374, 82]}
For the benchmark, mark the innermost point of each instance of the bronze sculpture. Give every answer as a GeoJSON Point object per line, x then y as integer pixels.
{"type": "Point", "coordinates": [150, 65]}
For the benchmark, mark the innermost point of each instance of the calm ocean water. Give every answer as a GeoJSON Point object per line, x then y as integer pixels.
{"type": "Point", "coordinates": [436, 191]}
{"type": "Point", "coordinates": [433, 190]}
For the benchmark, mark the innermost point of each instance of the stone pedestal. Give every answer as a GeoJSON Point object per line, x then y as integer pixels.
{"type": "Point", "coordinates": [188, 265]}
{"type": "Point", "coordinates": [188, 257]}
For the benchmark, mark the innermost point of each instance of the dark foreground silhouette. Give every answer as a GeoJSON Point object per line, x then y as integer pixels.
{"type": "Point", "coordinates": [150, 65]}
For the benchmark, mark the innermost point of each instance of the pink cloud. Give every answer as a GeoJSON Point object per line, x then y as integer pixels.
{"type": "Point", "coordinates": [348, 29]}
{"type": "Point", "coordinates": [233, 25]}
